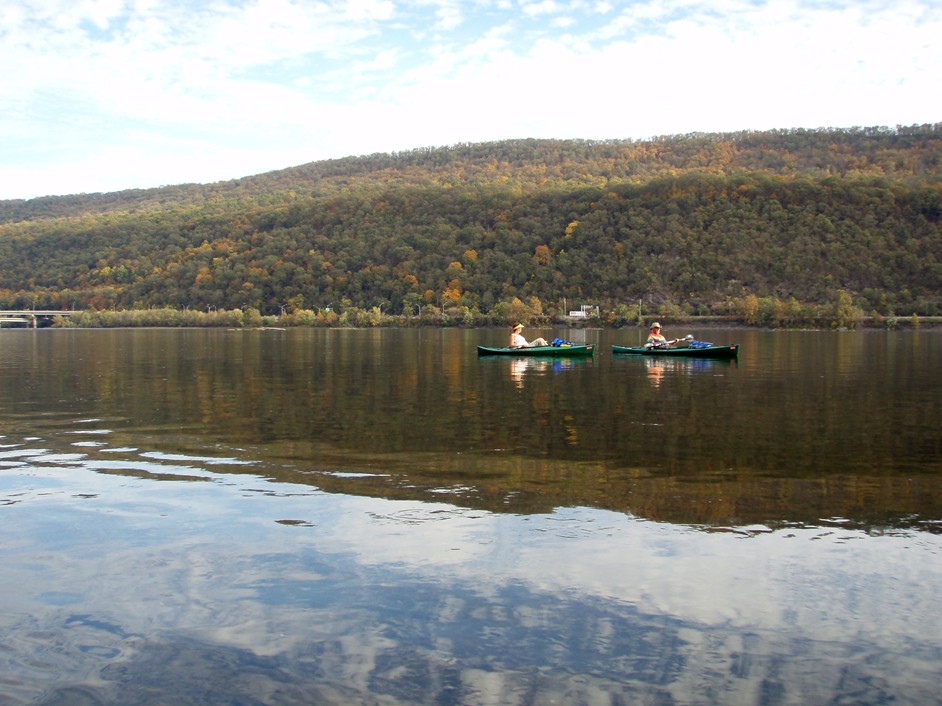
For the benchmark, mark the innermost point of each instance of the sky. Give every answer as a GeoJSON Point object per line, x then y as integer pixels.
{"type": "Point", "coordinates": [105, 95]}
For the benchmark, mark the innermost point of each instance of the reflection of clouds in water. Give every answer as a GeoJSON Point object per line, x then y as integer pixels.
{"type": "Point", "coordinates": [815, 579]}
{"type": "Point", "coordinates": [204, 460]}
{"type": "Point", "coordinates": [317, 625]}
{"type": "Point", "coordinates": [188, 586]}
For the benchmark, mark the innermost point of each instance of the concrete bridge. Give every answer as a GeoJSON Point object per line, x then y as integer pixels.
{"type": "Point", "coordinates": [31, 317]}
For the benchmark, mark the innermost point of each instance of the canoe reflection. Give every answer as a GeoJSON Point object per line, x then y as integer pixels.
{"type": "Point", "coordinates": [659, 367]}
{"type": "Point", "coordinates": [519, 367]}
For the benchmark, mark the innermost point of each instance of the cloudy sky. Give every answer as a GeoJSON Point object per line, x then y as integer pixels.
{"type": "Point", "coordinates": [102, 95]}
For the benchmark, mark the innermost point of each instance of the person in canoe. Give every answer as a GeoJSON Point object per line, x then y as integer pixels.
{"type": "Point", "coordinates": [655, 339]}
{"type": "Point", "coordinates": [518, 341]}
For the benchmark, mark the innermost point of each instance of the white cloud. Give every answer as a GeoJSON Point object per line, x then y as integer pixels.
{"type": "Point", "coordinates": [543, 7]}
{"type": "Point", "coordinates": [207, 92]}
{"type": "Point", "coordinates": [563, 22]}
{"type": "Point", "coordinates": [449, 16]}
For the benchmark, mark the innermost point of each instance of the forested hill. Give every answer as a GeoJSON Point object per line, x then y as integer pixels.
{"type": "Point", "coordinates": [910, 154]}
{"type": "Point", "coordinates": [693, 222]}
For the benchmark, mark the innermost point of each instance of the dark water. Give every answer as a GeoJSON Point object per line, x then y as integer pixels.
{"type": "Point", "coordinates": [380, 517]}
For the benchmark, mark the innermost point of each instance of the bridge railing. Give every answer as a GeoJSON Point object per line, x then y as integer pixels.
{"type": "Point", "coordinates": [31, 317]}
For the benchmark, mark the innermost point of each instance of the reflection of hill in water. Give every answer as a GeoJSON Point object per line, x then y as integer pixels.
{"type": "Point", "coordinates": [804, 427]}
{"type": "Point", "coordinates": [693, 496]}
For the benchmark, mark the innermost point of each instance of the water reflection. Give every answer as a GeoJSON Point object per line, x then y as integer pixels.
{"type": "Point", "coordinates": [240, 589]}
{"type": "Point", "coordinates": [380, 517]}
{"type": "Point", "coordinates": [805, 426]}
{"type": "Point", "coordinates": [519, 367]}
{"type": "Point", "coordinates": [659, 367]}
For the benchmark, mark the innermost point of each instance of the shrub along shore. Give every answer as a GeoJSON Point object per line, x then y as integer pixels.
{"type": "Point", "coordinates": [751, 312]}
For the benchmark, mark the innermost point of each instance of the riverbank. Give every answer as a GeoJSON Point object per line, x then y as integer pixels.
{"type": "Point", "coordinates": [434, 318]}
{"type": "Point", "coordinates": [869, 322]}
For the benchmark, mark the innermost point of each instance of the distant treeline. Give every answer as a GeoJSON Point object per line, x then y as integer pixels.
{"type": "Point", "coordinates": [783, 228]}
{"type": "Point", "coordinates": [751, 311]}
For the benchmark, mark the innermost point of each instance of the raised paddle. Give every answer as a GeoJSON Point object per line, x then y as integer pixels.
{"type": "Point", "coordinates": [669, 344]}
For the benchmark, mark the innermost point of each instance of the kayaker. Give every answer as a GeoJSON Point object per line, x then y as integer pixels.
{"type": "Point", "coordinates": [518, 341]}
{"type": "Point", "coordinates": [655, 338]}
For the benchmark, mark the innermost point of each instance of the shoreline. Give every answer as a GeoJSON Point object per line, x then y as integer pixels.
{"type": "Point", "coordinates": [715, 322]}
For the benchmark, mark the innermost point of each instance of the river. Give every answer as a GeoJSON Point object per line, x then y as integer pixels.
{"type": "Point", "coordinates": [382, 517]}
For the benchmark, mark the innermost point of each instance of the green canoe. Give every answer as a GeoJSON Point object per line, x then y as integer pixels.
{"type": "Point", "coordinates": [710, 351]}
{"type": "Point", "coordinates": [554, 351]}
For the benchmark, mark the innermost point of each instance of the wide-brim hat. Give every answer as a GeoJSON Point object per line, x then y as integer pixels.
{"type": "Point", "coordinates": [655, 325]}
{"type": "Point", "coordinates": [518, 327]}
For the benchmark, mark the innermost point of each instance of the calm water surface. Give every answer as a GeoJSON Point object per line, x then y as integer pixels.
{"type": "Point", "coordinates": [380, 517]}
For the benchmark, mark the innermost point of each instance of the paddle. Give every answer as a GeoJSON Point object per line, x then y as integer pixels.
{"type": "Point", "coordinates": [670, 344]}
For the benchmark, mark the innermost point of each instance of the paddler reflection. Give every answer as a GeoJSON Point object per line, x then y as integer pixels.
{"type": "Point", "coordinates": [520, 366]}
{"type": "Point", "coordinates": [655, 371]}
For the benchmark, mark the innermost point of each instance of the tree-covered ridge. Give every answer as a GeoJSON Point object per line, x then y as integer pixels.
{"type": "Point", "coordinates": [901, 153]}
{"type": "Point", "coordinates": [694, 221]}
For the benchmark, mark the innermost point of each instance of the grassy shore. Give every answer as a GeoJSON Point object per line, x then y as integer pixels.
{"type": "Point", "coordinates": [374, 318]}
